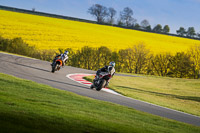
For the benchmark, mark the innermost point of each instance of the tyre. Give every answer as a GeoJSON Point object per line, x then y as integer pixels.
{"type": "Point", "coordinates": [101, 84]}
{"type": "Point", "coordinates": [92, 86]}
{"type": "Point", "coordinates": [54, 68]}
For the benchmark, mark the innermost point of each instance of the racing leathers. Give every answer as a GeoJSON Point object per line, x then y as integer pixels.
{"type": "Point", "coordinates": [108, 69]}
{"type": "Point", "coordinates": [64, 57]}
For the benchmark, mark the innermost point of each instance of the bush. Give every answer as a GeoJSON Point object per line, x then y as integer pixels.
{"type": "Point", "coordinates": [180, 65]}
{"type": "Point", "coordinates": [18, 46]}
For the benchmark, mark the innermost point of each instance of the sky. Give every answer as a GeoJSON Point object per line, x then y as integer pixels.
{"type": "Point", "coordinates": [175, 13]}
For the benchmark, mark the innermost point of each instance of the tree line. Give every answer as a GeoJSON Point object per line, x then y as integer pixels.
{"type": "Point", "coordinates": [104, 15]}
{"type": "Point", "coordinates": [136, 59]}
{"type": "Point", "coordinates": [139, 60]}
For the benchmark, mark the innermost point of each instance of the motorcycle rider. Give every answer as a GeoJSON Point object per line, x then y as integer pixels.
{"type": "Point", "coordinates": [64, 57]}
{"type": "Point", "coordinates": [110, 69]}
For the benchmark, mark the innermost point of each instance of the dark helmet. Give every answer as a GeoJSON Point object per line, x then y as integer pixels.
{"type": "Point", "coordinates": [112, 63]}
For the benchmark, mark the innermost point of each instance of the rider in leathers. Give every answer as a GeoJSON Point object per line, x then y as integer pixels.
{"type": "Point", "coordinates": [110, 69]}
{"type": "Point", "coordinates": [64, 57]}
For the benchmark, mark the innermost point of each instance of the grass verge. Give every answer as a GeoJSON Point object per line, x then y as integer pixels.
{"type": "Point", "coordinates": [175, 93]}
{"type": "Point", "coordinates": [26, 106]}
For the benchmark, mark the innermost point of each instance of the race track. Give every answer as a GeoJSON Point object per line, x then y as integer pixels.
{"type": "Point", "coordinates": [39, 71]}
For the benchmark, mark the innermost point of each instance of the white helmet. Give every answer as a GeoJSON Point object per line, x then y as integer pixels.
{"type": "Point", "coordinates": [112, 63]}
{"type": "Point", "coordinates": [66, 52]}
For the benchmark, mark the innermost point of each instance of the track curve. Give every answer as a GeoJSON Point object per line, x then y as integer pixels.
{"type": "Point", "coordinates": [40, 71]}
{"type": "Point", "coordinates": [78, 77]}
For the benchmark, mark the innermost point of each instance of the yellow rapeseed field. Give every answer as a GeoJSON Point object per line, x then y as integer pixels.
{"type": "Point", "coordinates": [52, 33]}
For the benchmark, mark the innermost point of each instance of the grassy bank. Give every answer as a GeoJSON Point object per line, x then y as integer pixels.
{"type": "Point", "coordinates": [175, 93]}
{"type": "Point", "coordinates": [26, 106]}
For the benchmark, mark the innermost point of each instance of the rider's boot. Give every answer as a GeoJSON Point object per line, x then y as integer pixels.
{"type": "Point", "coordinates": [63, 64]}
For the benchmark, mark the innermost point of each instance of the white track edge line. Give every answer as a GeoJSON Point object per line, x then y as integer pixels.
{"type": "Point", "coordinates": [103, 89]}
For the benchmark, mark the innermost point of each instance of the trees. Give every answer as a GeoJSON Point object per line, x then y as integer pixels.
{"type": "Point", "coordinates": [195, 58]}
{"type": "Point", "coordinates": [103, 56]}
{"type": "Point", "coordinates": [33, 9]}
{"type": "Point", "coordinates": [129, 59]}
{"type": "Point", "coordinates": [148, 28]}
{"type": "Point", "coordinates": [119, 22]}
{"type": "Point", "coordinates": [157, 28]}
{"type": "Point", "coordinates": [191, 32]}
{"type": "Point", "coordinates": [137, 26]}
{"type": "Point", "coordinates": [140, 57]}
{"type": "Point", "coordinates": [144, 24]}
{"type": "Point", "coordinates": [99, 12]}
{"type": "Point", "coordinates": [180, 65]}
{"type": "Point", "coordinates": [122, 60]}
{"type": "Point", "coordinates": [133, 60]}
{"type": "Point", "coordinates": [160, 64]}
{"type": "Point", "coordinates": [115, 58]}
{"type": "Point", "coordinates": [111, 13]}
{"type": "Point", "coordinates": [86, 57]}
{"type": "Point", "coordinates": [126, 16]}
{"type": "Point", "coordinates": [198, 35]}
{"type": "Point", "coordinates": [181, 31]}
{"type": "Point", "coordinates": [106, 16]}
{"type": "Point", "coordinates": [166, 29]}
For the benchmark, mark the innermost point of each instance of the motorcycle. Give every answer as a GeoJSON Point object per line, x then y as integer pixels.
{"type": "Point", "coordinates": [101, 81]}
{"type": "Point", "coordinates": [56, 65]}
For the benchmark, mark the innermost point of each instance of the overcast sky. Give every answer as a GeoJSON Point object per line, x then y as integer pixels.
{"type": "Point", "coordinates": [175, 13]}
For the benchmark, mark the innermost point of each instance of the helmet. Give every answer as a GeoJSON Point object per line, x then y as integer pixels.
{"type": "Point", "coordinates": [66, 52]}
{"type": "Point", "coordinates": [112, 63]}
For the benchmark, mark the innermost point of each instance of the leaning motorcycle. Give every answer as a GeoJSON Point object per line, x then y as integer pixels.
{"type": "Point", "coordinates": [101, 81]}
{"type": "Point", "coordinates": [56, 65]}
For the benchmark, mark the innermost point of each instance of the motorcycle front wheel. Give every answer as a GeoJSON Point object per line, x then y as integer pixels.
{"type": "Point", "coordinates": [101, 84]}
{"type": "Point", "coordinates": [54, 68]}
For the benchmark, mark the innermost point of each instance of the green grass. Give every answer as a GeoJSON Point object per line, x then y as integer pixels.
{"type": "Point", "coordinates": [175, 93]}
{"type": "Point", "coordinates": [26, 106]}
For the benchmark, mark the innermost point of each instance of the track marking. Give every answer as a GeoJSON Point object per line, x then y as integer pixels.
{"type": "Point", "coordinates": [78, 77]}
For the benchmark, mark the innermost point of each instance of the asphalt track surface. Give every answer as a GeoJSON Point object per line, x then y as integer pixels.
{"type": "Point", "coordinates": [40, 71]}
